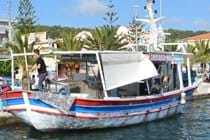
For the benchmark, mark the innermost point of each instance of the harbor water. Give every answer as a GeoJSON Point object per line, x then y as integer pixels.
{"type": "Point", "coordinates": [193, 123]}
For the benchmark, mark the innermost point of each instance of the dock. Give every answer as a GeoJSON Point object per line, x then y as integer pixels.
{"type": "Point", "coordinates": [7, 119]}
{"type": "Point", "coordinates": [203, 91]}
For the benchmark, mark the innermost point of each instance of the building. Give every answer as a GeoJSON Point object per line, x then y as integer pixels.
{"type": "Point", "coordinates": [193, 39]}
{"type": "Point", "coordinates": [42, 41]}
{"type": "Point", "coordinates": [4, 29]}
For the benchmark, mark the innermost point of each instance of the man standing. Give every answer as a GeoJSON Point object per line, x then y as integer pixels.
{"type": "Point", "coordinates": [41, 67]}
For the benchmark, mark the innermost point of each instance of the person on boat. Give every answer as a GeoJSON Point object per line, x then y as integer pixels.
{"type": "Point", "coordinates": [41, 67]}
{"type": "Point", "coordinates": [155, 88]}
{"type": "Point", "coordinates": [3, 87]}
{"type": "Point", "coordinates": [166, 83]}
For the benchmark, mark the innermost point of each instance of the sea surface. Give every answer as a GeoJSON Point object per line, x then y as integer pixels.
{"type": "Point", "coordinates": [192, 124]}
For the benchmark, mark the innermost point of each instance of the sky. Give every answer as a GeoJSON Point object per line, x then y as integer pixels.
{"type": "Point", "coordinates": [179, 14]}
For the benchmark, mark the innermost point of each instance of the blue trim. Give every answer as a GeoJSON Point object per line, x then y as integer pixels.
{"type": "Point", "coordinates": [10, 102]}
{"type": "Point", "coordinates": [40, 103]}
{"type": "Point", "coordinates": [20, 101]}
{"type": "Point", "coordinates": [106, 109]}
{"type": "Point", "coordinates": [100, 109]}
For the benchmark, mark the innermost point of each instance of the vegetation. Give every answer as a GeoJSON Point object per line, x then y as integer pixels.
{"type": "Point", "coordinates": [70, 42]}
{"type": "Point", "coordinates": [18, 47]}
{"type": "Point", "coordinates": [136, 29]}
{"type": "Point", "coordinates": [26, 18]}
{"type": "Point", "coordinates": [105, 38]}
{"type": "Point", "coordinates": [5, 68]}
{"type": "Point", "coordinates": [111, 15]}
{"type": "Point", "coordinates": [201, 51]}
{"type": "Point", "coordinates": [180, 34]}
{"type": "Point", "coordinates": [57, 31]}
{"type": "Point", "coordinates": [177, 35]}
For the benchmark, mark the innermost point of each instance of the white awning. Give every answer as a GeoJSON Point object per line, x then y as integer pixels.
{"type": "Point", "coordinates": [125, 68]}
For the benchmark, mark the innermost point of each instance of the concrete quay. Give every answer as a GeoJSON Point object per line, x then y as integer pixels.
{"type": "Point", "coordinates": [7, 119]}
{"type": "Point", "coordinates": [203, 91]}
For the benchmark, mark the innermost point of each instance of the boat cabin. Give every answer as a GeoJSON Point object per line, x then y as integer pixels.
{"type": "Point", "coordinates": [102, 74]}
{"type": "Point", "coordinates": [114, 74]}
{"type": "Point", "coordinates": [117, 74]}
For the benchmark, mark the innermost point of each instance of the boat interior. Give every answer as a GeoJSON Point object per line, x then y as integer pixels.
{"type": "Point", "coordinates": [79, 76]}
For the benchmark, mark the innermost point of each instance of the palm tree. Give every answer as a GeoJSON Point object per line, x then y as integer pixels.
{"type": "Point", "coordinates": [70, 42]}
{"type": "Point", "coordinates": [105, 38]}
{"type": "Point", "coordinates": [18, 47]}
{"type": "Point", "coordinates": [201, 50]}
{"type": "Point", "coordinates": [171, 48]}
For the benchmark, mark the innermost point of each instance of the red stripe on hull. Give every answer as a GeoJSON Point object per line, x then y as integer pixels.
{"type": "Point", "coordinates": [13, 94]}
{"type": "Point", "coordinates": [85, 102]}
{"type": "Point", "coordinates": [89, 102]}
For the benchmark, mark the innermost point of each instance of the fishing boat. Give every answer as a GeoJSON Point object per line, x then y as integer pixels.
{"type": "Point", "coordinates": [116, 92]}
{"type": "Point", "coordinates": [106, 89]}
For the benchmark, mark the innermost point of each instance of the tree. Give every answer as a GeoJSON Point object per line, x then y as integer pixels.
{"type": "Point", "coordinates": [170, 48]}
{"type": "Point", "coordinates": [5, 68]}
{"type": "Point", "coordinates": [105, 38]}
{"type": "Point", "coordinates": [136, 30]}
{"type": "Point", "coordinates": [18, 47]}
{"type": "Point", "coordinates": [201, 51]}
{"type": "Point", "coordinates": [111, 15]}
{"type": "Point", "coordinates": [26, 18]}
{"type": "Point", "coordinates": [70, 42]}
{"type": "Point", "coordinates": [180, 34]}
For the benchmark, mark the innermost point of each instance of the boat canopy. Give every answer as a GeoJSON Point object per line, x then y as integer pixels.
{"type": "Point", "coordinates": [120, 69]}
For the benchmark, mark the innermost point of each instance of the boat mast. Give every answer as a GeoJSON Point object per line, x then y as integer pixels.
{"type": "Point", "coordinates": [153, 27]}
{"type": "Point", "coordinates": [152, 21]}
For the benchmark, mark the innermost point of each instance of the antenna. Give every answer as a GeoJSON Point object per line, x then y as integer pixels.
{"type": "Point", "coordinates": [136, 10]}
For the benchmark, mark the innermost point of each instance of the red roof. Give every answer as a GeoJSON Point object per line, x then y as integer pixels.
{"type": "Point", "coordinates": [199, 37]}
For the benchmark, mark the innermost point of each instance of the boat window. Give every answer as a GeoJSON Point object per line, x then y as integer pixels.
{"type": "Point", "coordinates": [168, 77]}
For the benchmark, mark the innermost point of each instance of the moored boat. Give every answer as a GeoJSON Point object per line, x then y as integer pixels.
{"type": "Point", "coordinates": [107, 88]}
{"type": "Point", "coordinates": [117, 96]}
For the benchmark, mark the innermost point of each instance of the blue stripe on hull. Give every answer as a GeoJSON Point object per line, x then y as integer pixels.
{"type": "Point", "coordinates": [106, 109]}
{"type": "Point", "coordinates": [20, 101]}
{"type": "Point", "coordinates": [189, 94]}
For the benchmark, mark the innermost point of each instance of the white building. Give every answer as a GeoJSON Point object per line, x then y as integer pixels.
{"type": "Point", "coordinates": [4, 28]}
